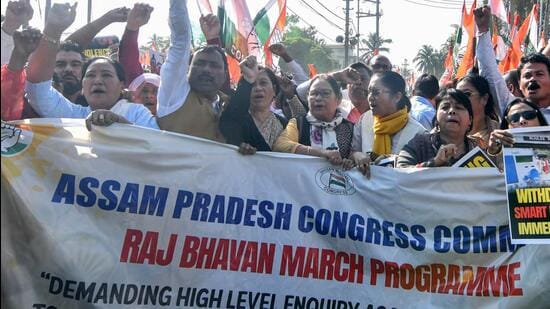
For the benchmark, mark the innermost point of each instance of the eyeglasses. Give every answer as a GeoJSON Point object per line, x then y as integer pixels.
{"type": "Point", "coordinates": [322, 93]}
{"type": "Point", "coordinates": [377, 92]}
{"type": "Point", "coordinates": [527, 115]}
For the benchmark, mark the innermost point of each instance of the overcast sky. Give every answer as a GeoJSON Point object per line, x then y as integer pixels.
{"type": "Point", "coordinates": [409, 23]}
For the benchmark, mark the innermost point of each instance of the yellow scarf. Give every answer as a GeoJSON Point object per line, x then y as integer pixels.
{"type": "Point", "coordinates": [385, 127]}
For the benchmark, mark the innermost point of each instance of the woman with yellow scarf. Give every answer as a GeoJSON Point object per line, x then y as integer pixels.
{"type": "Point", "coordinates": [389, 128]}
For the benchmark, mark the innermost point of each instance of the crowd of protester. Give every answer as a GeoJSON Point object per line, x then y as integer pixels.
{"type": "Point", "coordinates": [354, 117]}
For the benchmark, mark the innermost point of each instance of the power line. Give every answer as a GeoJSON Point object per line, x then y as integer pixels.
{"type": "Point", "coordinates": [433, 6]}
{"type": "Point", "coordinates": [323, 16]}
{"type": "Point", "coordinates": [331, 12]}
{"type": "Point", "coordinates": [450, 2]}
{"type": "Point", "coordinates": [291, 11]}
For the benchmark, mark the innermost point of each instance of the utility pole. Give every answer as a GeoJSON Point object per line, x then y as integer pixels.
{"type": "Point", "coordinates": [369, 14]}
{"type": "Point", "coordinates": [346, 36]}
{"type": "Point", "coordinates": [357, 34]}
{"type": "Point", "coordinates": [378, 19]}
{"type": "Point", "coordinates": [89, 11]}
{"type": "Point", "coordinates": [47, 10]}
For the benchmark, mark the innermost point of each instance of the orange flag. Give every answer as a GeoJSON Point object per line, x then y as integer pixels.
{"type": "Point", "coordinates": [449, 69]}
{"type": "Point", "coordinates": [234, 69]}
{"type": "Point", "coordinates": [514, 52]}
{"type": "Point", "coordinates": [312, 70]}
{"type": "Point", "coordinates": [468, 23]}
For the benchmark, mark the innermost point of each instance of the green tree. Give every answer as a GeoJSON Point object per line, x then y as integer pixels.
{"type": "Point", "coordinates": [373, 43]}
{"type": "Point", "coordinates": [304, 46]}
{"type": "Point", "coordinates": [429, 60]}
{"type": "Point", "coordinates": [523, 7]}
{"type": "Point", "coordinates": [161, 42]}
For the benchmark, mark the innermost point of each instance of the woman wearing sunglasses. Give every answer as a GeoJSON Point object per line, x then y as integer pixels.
{"type": "Point", "coordinates": [520, 113]}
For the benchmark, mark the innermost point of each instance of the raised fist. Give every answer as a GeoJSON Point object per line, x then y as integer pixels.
{"type": "Point", "coordinates": [17, 14]}
{"type": "Point", "coordinates": [117, 15]}
{"type": "Point", "coordinates": [60, 17]}
{"type": "Point", "coordinates": [210, 26]}
{"type": "Point", "coordinates": [26, 41]}
{"type": "Point", "coordinates": [139, 16]}
{"type": "Point", "coordinates": [249, 69]}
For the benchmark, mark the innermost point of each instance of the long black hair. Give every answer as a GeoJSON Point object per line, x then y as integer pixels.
{"type": "Point", "coordinates": [482, 86]}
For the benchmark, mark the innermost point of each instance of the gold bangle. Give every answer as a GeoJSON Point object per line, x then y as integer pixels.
{"type": "Point", "coordinates": [50, 40]}
{"type": "Point", "coordinates": [494, 154]}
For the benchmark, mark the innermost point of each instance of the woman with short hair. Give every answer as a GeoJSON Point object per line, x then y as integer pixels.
{"type": "Point", "coordinates": [102, 86]}
{"type": "Point", "coordinates": [449, 140]}
{"type": "Point", "coordinates": [247, 121]}
{"type": "Point", "coordinates": [323, 132]}
{"type": "Point", "coordinates": [102, 82]}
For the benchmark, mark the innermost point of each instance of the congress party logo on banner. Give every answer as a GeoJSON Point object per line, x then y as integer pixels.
{"type": "Point", "coordinates": [334, 181]}
{"type": "Point", "coordinates": [14, 139]}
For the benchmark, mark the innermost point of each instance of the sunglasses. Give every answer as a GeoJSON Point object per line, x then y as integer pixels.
{"type": "Point", "coordinates": [527, 115]}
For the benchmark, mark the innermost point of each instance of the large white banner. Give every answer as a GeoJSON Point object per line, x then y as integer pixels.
{"type": "Point", "coordinates": [136, 218]}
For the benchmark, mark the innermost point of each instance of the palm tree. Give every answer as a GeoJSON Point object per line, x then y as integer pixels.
{"type": "Point", "coordinates": [429, 60]}
{"type": "Point", "coordinates": [374, 43]}
{"type": "Point", "coordinates": [161, 43]}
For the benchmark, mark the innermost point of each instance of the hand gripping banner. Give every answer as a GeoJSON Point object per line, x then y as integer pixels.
{"type": "Point", "coordinates": [127, 217]}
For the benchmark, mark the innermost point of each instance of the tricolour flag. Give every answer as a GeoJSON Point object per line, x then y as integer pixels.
{"type": "Point", "coordinates": [501, 29]}
{"type": "Point", "coordinates": [533, 37]}
{"type": "Point", "coordinates": [237, 35]}
{"type": "Point", "coordinates": [336, 180]}
{"type": "Point", "coordinates": [269, 25]}
{"type": "Point", "coordinates": [498, 10]}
